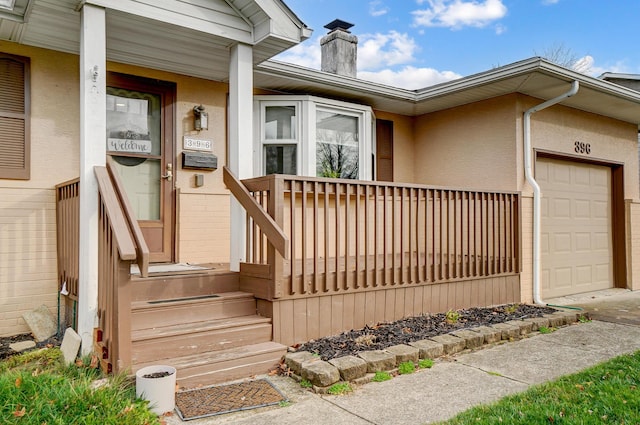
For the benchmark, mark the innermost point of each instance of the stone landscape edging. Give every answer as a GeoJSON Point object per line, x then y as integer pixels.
{"type": "Point", "coordinates": [361, 368]}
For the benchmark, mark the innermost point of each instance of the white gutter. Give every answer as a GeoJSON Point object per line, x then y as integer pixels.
{"type": "Point", "coordinates": [528, 173]}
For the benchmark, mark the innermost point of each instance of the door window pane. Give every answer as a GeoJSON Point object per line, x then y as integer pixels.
{"type": "Point", "coordinates": [336, 145]}
{"type": "Point", "coordinates": [281, 159]}
{"type": "Point", "coordinates": [280, 123]}
{"type": "Point", "coordinates": [134, 142]}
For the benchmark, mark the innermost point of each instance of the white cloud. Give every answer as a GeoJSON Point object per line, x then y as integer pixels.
{"type": "Point", "coordinates": [409, 77]}
{"type": "Point", "coordinates": [383, 50]}
{"type": "Point", "coordinates": [500, 29]}
{"type": "Point", "coordinates": [587, 65]}
{"type": "Point", "coordinates": [377, 8]}
{"type": "Point", "coordinates": [375, 51]}
{"type": "Point", "coordinates": [382, 58]}
{"type": "Point", "coordinates": [547, 2]}
{"type": "Point", "coordinates": [459, 13]}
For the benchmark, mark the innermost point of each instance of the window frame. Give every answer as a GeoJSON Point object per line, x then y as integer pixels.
{"type": "Point", "coordinates": [306, 108]}
{"type": "Point", "coordinates": [23, 173]}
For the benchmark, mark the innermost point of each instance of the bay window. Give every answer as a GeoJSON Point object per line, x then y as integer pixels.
{"type": "Point", "coordinates": [311, 136]}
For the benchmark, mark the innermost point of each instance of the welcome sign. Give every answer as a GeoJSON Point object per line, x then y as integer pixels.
{"type": "Point", "coordinates": [129, 145]}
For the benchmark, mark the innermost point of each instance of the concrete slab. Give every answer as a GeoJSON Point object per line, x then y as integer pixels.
{"type": "Point", "coordinates": [70, 345]}
{"type": "Point", "coordinates": [21, 346]}
{"type": "Point", "coordinates": [426, 396]}
{"type": "Point", "coordinates": [568, 350]}
{"type": "Point", "coordinates": [41, 322]}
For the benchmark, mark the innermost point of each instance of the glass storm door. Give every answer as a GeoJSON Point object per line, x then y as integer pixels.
{"type": "Point", "coordinates": [140, 143]}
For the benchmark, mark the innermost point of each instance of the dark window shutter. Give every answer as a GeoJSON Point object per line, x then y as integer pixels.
{"type": "Point", "coordinates": [384, 150]}
{"type": "Point", "coordinates": [14, 117]}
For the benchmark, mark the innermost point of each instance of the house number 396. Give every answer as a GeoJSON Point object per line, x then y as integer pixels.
{"type": "Point", "coordinates": [581, 147]}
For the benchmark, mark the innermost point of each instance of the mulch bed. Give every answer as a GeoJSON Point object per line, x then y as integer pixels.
{"type": "Point", "coordinates": [5, 341]}
{"type": "Point", "coordinates": [403, 331]}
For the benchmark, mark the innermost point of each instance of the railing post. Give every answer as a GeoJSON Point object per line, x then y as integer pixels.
{"type": "Point", "coordinates": [275, 208]}
{"type": "Point", "coordinates": [122, 315]}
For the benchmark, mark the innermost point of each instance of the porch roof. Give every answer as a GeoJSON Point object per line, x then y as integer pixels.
{"type": "Point", "coordinates": [534, 77]}
{"type": "Point", "coordinates": [186, 37]}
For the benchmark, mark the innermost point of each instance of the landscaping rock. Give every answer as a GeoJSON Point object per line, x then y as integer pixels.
{"type": "Point", "coordinates": [428, 349]}
{"type": "Point", "coordinates": [404, 353]}
{"type": "Point", "coordinates": [507, 331]}
{"type": "Point", "coordinates": [525, 327]}
{"type": "Point", "coordinates": [350, 367]}
{"type": "Point", "coordinates": [41, 322]}
{"type": "Point", "coordinates": [537, 322]}
{"type": "Point", "coordinates": [320, 373]}
{"type": "Point", "coordinates": [378, 360]}
{"type": "Point", "coordinates": [295, 360]}
{"type": "Point", "coordinates": [557, 319]}
{"type": "Point", "coordinates": [21, 346]}
{"type": "Point", "coordinates": [70, 346]}
{"type": "Point", "coordinates": [451, 344]}
{"type": "Point", "coordinates": [472, 339]}
{"type": "Point", "coordinates": [490, 334]}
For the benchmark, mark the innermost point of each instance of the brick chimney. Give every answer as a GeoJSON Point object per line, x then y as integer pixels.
{"type": "Point", "coordinates": [339, 49]}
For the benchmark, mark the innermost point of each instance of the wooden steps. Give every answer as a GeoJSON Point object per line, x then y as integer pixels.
{"type": "Point", "coordinates": [225, 365]}
{"type": "Point", "coordinates": [201, 324]}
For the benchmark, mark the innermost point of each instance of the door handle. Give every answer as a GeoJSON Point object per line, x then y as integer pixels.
{"type": "Point", "coordinates": [169, 174]}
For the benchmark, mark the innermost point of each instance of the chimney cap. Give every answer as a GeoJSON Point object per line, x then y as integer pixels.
{"type": "Point", "coordinates": [338, 24]}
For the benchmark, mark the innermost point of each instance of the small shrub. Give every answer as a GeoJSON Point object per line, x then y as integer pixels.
{"type": "Point", "coordinates": [425, 364]}
{"type": "Point", "coordinates": [381, 376]}
{"type": "Point", "coordinates": [546, 330]}
{"type": "Point", "coordinates": [305, 383]}
{"type": "Point", "coordinates": [510, 309]}
{"type": "Point", "coordinates": [406, 368]}
{"type": "Point", "coordinates": [340, 388]}
{"type": "Point", "coordinates": [452, 316]}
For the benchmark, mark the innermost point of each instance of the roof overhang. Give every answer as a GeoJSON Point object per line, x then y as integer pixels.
{"type": "Point", "coordinates": [186, 37]}
{"type": "Point", "coordinates": [534, 77]}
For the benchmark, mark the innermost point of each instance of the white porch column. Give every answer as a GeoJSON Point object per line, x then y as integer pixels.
{"type": "Point", "coordinates": [92, 152]}
{"type": "Point", "coordinates": [240, 139]}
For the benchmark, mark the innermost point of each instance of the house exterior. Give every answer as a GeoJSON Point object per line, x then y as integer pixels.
{"type": "Point", "coordinates": [514, 185]}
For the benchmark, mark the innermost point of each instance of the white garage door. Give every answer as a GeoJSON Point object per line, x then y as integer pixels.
{"type": "Point", "coordinates": [576, 238]}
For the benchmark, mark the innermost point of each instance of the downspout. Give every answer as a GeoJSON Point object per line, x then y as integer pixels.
{"type": "Point", "coordinates": [528, 173]}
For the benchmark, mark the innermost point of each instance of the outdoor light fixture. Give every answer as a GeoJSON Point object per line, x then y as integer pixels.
{"type": "Point", "coordinates": [201, 118]}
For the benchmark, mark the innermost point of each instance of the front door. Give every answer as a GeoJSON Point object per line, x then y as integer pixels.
{"type": "Point", "coordinates": [140, 140]}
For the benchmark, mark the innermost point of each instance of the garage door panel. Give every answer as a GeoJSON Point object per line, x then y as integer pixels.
{"type": "Point", "coordinates": [561, 243]}
{"type": "Point", "coordinates": [582, 242]}
{"type": "Point", "coordinates": [577, 243]}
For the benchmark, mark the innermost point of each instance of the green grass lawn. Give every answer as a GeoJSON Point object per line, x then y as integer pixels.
{"type": "Point", "coordinates": [37, 388]}
{"type": "Point", "coordinates": [604, 394]}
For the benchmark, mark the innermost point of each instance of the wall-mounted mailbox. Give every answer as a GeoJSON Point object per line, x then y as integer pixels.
{"type": "Point", "coordinates": [199, 161]}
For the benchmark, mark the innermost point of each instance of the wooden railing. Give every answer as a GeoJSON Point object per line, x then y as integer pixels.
{"type": "Point", "coordinates": [348, 236]}
{"type": "Point", "coordinates": [68, 235]}
{"type": "Point", "coordinates": [116, 252]}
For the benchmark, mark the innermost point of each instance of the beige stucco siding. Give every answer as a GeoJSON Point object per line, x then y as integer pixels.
{"type": "Point", "coordinates": [27, 207]}
{"type": "Point", "coordinates": [472, 146]}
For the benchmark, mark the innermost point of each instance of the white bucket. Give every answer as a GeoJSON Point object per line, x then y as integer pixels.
{"type": "Point", "coordinates": [161, 392]}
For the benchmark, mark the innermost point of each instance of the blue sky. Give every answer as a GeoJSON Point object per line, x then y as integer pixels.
{"type": "Point", "coordinates": [418, 43]}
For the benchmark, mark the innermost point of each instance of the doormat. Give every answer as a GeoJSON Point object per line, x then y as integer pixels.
{"type": "Point", "coordinates": [216, 400]}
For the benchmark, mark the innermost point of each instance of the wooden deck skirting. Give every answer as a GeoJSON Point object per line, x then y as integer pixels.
{"type": "Point", "coordinates": [371, 235]}
{"type": "Point", "coordinates": [68, 235]}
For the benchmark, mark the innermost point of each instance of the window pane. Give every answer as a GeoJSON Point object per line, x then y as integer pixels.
{"type": "Point", "coordinates": [281, 159]}
{"type": "Point", "coordinates": [337, 145]}
{"type": "Point", "coordinates": [280, 123]}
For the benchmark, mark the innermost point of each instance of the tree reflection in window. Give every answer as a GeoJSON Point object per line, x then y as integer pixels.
{"type": "Point", "coordinates": [336, 145]}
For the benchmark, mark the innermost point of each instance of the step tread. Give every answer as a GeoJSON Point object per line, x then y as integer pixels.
{"type": "Point", "coordinates": [212, 357]}
{"type": "Point", "coordinates": [197, 327]}
{"type": "Point", "coordinates": [191, 300]}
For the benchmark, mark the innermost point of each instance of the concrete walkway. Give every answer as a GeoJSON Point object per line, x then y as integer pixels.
{"type": "Point", "coordinates": [464, 380]}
